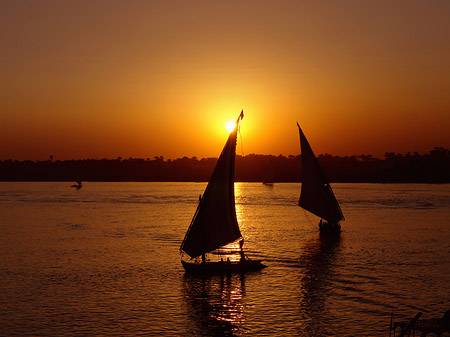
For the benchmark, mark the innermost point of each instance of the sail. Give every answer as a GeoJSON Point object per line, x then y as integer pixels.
{"type": "Point", "coordinates": [214, 224]}
{"type": "Point", "coordinates": [269, 176]}
{"type": "Point", "coordinates": [316, 194]}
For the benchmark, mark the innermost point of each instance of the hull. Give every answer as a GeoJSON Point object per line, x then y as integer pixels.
{"type": "Point", "coordinates": [327, 229]}
{"type": "Point", "coordinates": [222, 267]}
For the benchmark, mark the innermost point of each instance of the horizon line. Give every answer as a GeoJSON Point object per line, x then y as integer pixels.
{"type": "Point", "coordinates": [52, 158]}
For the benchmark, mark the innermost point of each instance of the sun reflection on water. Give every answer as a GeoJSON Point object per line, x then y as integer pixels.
{"type": "Point", "coordinates": [318, 258]}
{"type": "Point", "coordinates": [240, 215]}
{"type": "Point", "coordinates": [216, 303]}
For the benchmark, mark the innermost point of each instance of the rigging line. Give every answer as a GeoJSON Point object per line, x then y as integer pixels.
{"type": "Point", "coordinates": [240, 136]}
{"type": "Point", "coordinates": [307, 218]}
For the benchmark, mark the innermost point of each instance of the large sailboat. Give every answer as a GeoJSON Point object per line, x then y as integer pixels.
{"type": "Point", "coordinates": [215, 225]}
{"type": "Point", "coordinates": [316, 194]}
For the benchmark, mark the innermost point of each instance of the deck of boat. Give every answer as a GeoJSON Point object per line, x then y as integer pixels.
{"type": "Point", "coordinates": [222, 266]}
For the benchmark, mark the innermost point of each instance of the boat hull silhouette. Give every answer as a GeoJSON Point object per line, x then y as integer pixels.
{"type": "Point", "coordinates": [222, 266]}
{"type": "Point", "coordinates": [329, 229]}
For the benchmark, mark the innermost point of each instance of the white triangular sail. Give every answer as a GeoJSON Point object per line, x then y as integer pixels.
{"type": "Point", "coordinates": [214, 224]}
{"type": "Point", "coordinates": [316, 194]}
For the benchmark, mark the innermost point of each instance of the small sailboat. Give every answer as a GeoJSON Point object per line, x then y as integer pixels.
{"type": "Point", "coordinates": [214, 224]}
{"type": "Point", "coordinates": [78, 185]}
{"type": "Point", "coordinates": [316, 194]}
{"type": "Point", "coordinates": [269, 176]}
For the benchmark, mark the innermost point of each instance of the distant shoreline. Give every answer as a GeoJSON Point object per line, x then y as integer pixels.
{"type": "Point", "coordinates": [201, 182]}
{"type": "Point", "coordinates": [433, 167]}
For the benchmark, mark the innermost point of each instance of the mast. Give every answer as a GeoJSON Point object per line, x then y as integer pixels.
{"type": "Point", "coordinates": [316, 195]}
{"type": "Point", "coordinates": [214, 223]}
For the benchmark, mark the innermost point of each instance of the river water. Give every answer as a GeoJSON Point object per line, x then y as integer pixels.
{"type": "Point", "coordinates": [104, 261]}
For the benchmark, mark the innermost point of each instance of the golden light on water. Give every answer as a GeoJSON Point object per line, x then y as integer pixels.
{"type": "Point", "coordinates": [223, 299]}
{"type": "Point", "coordinates": [240, 215]}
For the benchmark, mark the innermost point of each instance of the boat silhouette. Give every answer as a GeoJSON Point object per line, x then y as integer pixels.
{"type": "Point", "coordinates": [316, 195]}
{"type": "Point", "coordinates": [215, 225]}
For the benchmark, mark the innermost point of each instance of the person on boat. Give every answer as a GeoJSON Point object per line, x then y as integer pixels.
{"type": "Point", "coordinates": [241, 245]}
{"type": "Point", "coordinates": [203, 258]}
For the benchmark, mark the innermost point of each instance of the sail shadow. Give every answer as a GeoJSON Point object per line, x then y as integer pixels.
{"type": "Point", "coordinates": [216, 303]}
{"type": "Point", "coordinates": [318, 260]}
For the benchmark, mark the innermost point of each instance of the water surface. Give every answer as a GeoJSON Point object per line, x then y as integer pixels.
{"type": "Point", "coordinates": [104, 260]}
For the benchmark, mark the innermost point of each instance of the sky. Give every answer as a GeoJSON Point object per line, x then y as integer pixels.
{"type": "Point", "coordinates": [103, 79]}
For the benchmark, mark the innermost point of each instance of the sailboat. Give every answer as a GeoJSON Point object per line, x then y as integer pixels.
{"type": "Point", "coordinates": [214, 224]}
{"type": "Point", "coordinates": [78, 185]}
{"type": "Point", "coordinates": [316, 194]}
{"type": "Point", "coordinates": [269, 176]}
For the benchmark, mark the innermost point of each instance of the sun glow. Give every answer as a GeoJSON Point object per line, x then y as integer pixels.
{"type": "Point", "coordinates": [230, 126]}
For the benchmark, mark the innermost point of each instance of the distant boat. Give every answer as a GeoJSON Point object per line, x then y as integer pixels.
{"type": "Point", "coordinates": [78, 184]}
{"type": "Point", "coordinates": [316, 194]}
{"type": "Point", "coordinates": [214, 224]}
{"type": "Point", "coordinates": [269, 177]}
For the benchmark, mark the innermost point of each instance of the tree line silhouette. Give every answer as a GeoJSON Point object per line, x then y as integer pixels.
{"type": "Point", "coordinates": [433, 167]}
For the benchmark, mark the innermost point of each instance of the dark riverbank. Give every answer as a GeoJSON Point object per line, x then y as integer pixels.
{"type": "Point", "coordinates": [433, 167]}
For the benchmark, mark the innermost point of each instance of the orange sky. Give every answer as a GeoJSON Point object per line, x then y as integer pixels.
{"type": "Point", "coordinates": [102, 79]}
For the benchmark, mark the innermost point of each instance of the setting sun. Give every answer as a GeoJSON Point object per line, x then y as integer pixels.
{"type": "Point", "coordinates": [136, 80]}
{"type": "Point", "coordinates": [230, 126]}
